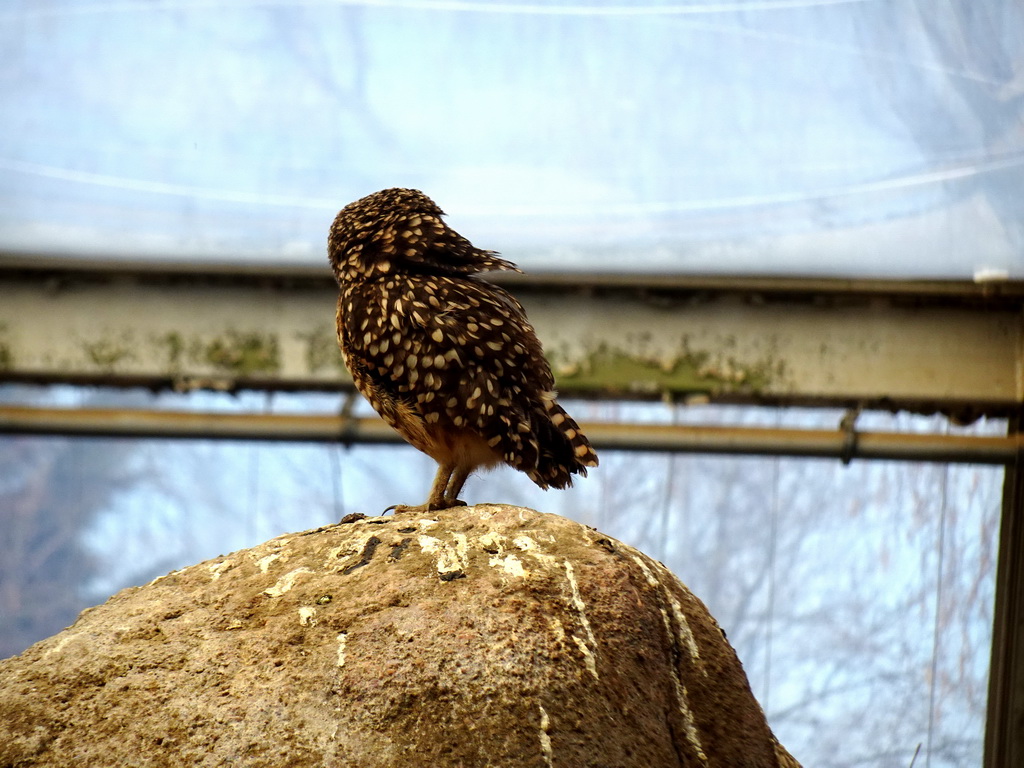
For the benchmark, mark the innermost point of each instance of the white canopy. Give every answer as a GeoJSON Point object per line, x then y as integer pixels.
{"type": "Point", "coordinates": [835, 137]}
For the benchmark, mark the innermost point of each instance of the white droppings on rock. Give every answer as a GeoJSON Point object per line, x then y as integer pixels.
{"type": "Point", "coordinates": [342, 644]}
{"type": "Point", "coordinates": [683, 631]}
{"type": "Point", "coordinates": [587, 647]}
{"type": "Point", "coordinates": [264, 562]}
{"type": "Point", "coordinates": [448, 561]}
{"type": "Point", "coordinates": [689, 726]}
{"type": "Point", "coordinates": [525, 543]}
{"type": "Point", "coordinates": [59, 645]}
{"type": "Point", "coordinates": [429, 544]}
{"type": "Point", "coordinates": [336, 553]}
{"type": "Point", "coordinates": [486, 511]}
{"type": "Point", "coordinates": [588, 657]}
{"type": "Point", "coordinates": [391, 605]}
{"type": "Point", "coordinates": [681, 695]}
{"type": "Point", "coordinates": [545, 737]}
{"type": "Point", "coordinates": [461, 547]}
{"type": "Point", "coordinates": [648, 575]}
{"type": "Point", "coordinates": [510, 564]}
{"type": "Point", "coordinates": [492, 542]}
{"type": "Point", "coordinates": [286, 582]}
{"type": "Point", "coordinates": [158, 579]}
{"type": "Point", "coordinates": [274, 545]}
{"type": "Point", "coordinates": [682, 634]}
{"type": "Point", "coordinates": [218, 568]}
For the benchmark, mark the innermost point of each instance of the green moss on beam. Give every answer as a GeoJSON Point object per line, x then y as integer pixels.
{"type": "Point", "coordinates": [615, 371]}
{"type": "Point", "coordinates": [242, 354]}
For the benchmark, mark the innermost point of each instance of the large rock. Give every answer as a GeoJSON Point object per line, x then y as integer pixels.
{"type": "Point", "coordinates": [480, 636]}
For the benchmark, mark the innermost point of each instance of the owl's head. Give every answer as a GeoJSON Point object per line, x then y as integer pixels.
{"type": "Point", "coordinates": [400, 231]}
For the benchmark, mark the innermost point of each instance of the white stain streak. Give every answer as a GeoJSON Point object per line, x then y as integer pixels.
{"type": "Point", "coordinates": [545, 737]}
{"type": "Point", "coordinates": [682, 627]}
{"type": "Point", "coordinates": [683, 700]}
{"type": "Point", "coordinates": [485, 511]}
{"type": "Point", "coordinates": [429, 544]}
{"type": "Point", "coordinates": [342, 643]}
{"type": "Point", "coordinates": [264, 562]}
{"type": "Point", "coordinates": [286, 582]}
{"type": "Point", "coordinates": [588, 658]}
{"type": "Point", "coordinates": [336, 553]}
{"type": "Point", "coordinates": [588, 647]}
{"type": "Point", "coordinates": [510, 564]}
{"type": "Point", "coordinates": [684, 632]}
{"type": "Point", "coordinates": [307, 615]}
{"type": "Point", "coordinates": [448, 560]}
{"type": "Point", "coordinates": [494, 544]}
{"type": "Point", "coordinates": [526, 544]}
{"type": "Point", "coordinates": [684, 635]}
{"type": "Point", "coordinates": [688, 724]}
{"type": "Point", "coordinates": [492, 541]}
{"type": "Point", "coordinates": [462, 548]}
{"type": "Point", "coordinates": [59, 645]}
{"type": "Point", "coordinates": [218, 568]}
{"type": "Point", "coordinates": [651, 580]}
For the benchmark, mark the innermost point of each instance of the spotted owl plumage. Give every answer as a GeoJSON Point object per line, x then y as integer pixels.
{"type": "Point", "coordinates": [448, 359]}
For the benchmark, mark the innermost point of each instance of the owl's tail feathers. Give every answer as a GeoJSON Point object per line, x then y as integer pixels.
{"type": "Point", "coordinates": [564, 449]}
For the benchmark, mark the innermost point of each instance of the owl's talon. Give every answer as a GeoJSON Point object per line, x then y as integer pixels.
{"type": "Point", "coordinates": [400, 509]}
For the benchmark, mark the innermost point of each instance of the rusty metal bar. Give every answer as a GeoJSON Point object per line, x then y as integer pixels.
{"type": "Point", "coordinates": [628, 437]}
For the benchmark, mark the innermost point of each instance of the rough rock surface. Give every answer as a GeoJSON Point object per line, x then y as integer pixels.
{"type": "Point", "coordinates": [480, 636]}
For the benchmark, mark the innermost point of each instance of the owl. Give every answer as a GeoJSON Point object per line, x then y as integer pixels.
{"type": "Point", "coordinates": [446, 358]}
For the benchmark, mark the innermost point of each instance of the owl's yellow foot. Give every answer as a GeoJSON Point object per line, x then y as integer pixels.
{"type": "Point", "coordinates": [400, 509]}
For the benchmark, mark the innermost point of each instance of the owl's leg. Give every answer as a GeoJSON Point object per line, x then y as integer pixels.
{"type": "Point", "coordinates": [437, 497]}
{"type": "Point", "coordinates": [458, 479]}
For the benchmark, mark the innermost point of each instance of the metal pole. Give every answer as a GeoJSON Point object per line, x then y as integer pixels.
{"type": "Point", "coordinates": [627, 437]}
{"type": "Point", "coordinates": [1004, 735]}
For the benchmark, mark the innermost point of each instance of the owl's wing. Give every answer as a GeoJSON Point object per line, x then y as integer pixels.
{"type": "Point", "coordinates": [424, 240]}
{"type": "Point", "coordinates": [460, 352]}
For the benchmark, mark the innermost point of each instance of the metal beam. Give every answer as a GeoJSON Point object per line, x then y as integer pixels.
{"type": "Point", "coordinates": [1004, 736]}
{"type": "Point", "coordinates": [630, 437]}
{"type": "Point", "coordinates": [921, 346]}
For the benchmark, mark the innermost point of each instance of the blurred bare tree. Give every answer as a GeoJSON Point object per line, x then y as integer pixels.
{"type": "Point", "coordinates": [51, 490]}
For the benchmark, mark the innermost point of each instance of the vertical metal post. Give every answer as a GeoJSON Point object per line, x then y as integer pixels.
{"type": "Point", "coordinates": [1004, 736]}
